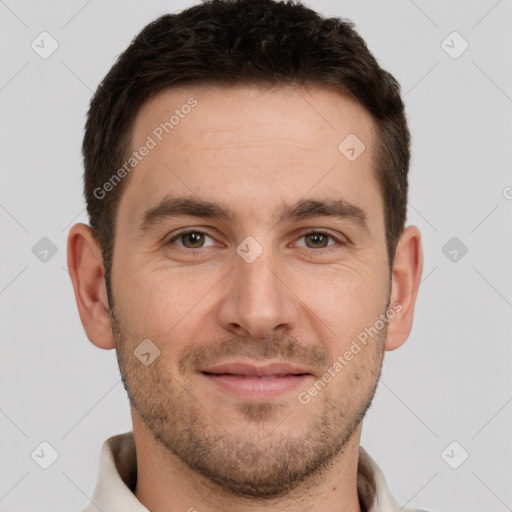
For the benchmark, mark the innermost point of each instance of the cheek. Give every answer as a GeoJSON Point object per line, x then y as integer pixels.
{"type": "Point", "coordinates": [162, 302]}
{"type": "Point", "coordinates": [346, 301]}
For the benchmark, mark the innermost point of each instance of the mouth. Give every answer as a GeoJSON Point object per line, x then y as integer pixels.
{"type": "Point", "coordinates": [251, 381]}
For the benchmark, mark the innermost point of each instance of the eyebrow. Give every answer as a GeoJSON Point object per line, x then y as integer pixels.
{"type": "Point", "coordinates": [170, 207]}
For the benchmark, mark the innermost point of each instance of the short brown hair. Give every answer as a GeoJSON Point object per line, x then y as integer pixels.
{"type": "Point", "coordinates": [230, 42]}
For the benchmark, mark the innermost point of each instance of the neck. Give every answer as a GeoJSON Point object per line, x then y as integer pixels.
{"type": "Point", "coordinates": [166, 483]}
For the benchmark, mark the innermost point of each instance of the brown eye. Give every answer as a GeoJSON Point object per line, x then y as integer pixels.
{"type": "Point", "coordinates": [316, 240]}
{"type": "Point", "coordinates": [190, 240]}
{"type": "Point", "coordinates": [193, 240]}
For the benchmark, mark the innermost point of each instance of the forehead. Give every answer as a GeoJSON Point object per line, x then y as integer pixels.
{"type": "Point", "coordinates": [250, 146]}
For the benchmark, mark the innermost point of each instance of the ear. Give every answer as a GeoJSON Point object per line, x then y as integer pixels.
{"type": "Point", "coordinates": [85, 266]}
{"type": "Point", "coordinates": [406, 276]}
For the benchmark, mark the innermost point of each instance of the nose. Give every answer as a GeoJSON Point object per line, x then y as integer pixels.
{"type": "Point", "coordinates": [256, 301]}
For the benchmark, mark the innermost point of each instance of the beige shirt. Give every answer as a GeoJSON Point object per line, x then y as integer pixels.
{"type": "Point", "coordinates": [118, 476]}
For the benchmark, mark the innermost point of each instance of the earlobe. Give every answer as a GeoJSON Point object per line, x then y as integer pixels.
{"type": "Point", "coordinates": [85, 266]}
{"type": "Point", "coordinates": [406, 276]}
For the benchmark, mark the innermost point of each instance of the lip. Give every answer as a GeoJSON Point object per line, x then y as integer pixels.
{"type": "Point", "coordinates": [276, 369]}
{"type": "Point", "coordinates": [252, 381]}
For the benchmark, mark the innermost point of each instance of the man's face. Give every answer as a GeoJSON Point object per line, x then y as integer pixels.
{"type": "Point", "coordinates": [255, 288]}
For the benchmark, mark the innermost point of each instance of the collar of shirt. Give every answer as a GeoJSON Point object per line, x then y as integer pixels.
{"type": "Point", "coordinates": [118, 476]}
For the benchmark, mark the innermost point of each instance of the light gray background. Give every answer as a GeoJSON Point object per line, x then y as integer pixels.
{"type": "Point", "coordinates": [451, 381]}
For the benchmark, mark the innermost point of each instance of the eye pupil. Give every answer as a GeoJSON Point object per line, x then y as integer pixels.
{"type": "Point", "coordinates": [318, 238]}
{"type": "Point", "coordinates": [195, 238]}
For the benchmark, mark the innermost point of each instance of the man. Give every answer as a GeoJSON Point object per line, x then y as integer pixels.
{"type": "Point", "coordinates": [246, 182]}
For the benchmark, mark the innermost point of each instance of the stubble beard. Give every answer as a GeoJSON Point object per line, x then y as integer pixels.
{"type": "Point", "coordinates": [253, 461]}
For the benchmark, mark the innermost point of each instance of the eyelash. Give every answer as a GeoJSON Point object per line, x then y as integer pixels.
{"type": "Point", "coordinates": [310, 232]}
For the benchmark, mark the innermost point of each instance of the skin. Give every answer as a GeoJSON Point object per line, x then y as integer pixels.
{"type": "Point", "coordinates": [302, 300]}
